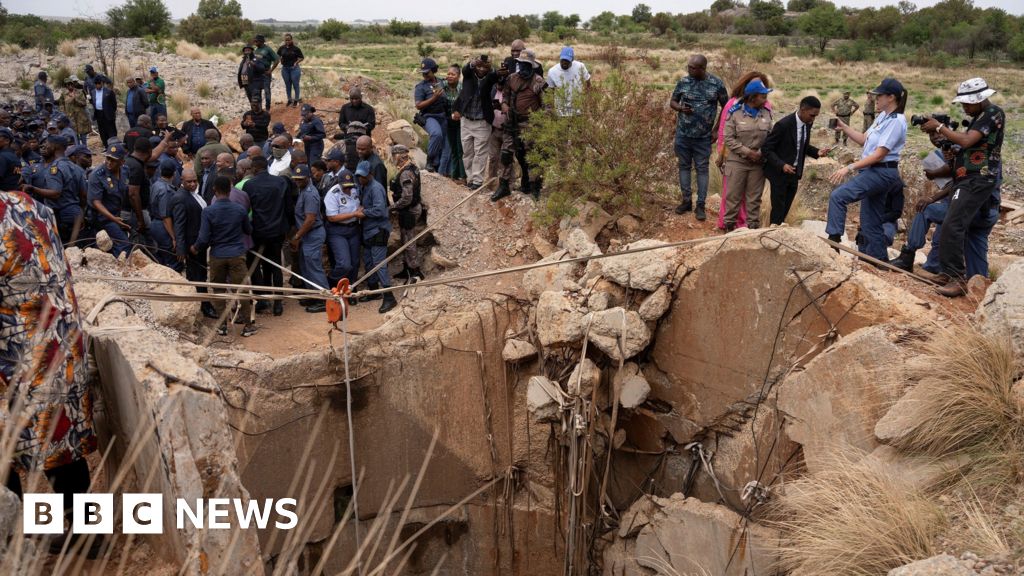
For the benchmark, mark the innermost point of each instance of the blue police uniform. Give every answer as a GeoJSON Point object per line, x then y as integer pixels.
{"type": "Point", "coordinates": [112, 192]}
{"type": "Point", "coordinates": [376, 229]}
{"type": "Point", "coordinates": [314, 128]}
{"type": "Point", "coordinates": [343, 238]}
{"type": "Point", "coordinates": [312, 243]}
{"type": "Point", "coordinates": [436, 123]}
{"type": "Point", "coordinates": [160, 195]}
{"type": "Point", "coordinates": [59, 175]}
{"type": "Point", "coordinates": [871, 186]}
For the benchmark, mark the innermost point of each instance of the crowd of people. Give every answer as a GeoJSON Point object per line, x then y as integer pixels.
{"type": "Point", "coordinates": [753, 148]}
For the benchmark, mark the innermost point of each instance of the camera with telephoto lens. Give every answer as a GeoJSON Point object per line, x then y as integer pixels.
{"type": "Point", "coordinates": [920, 119]}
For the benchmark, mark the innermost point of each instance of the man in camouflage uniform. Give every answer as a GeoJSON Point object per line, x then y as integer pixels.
{"type": "Point", "coordinates": [843, 108]}
{"type": "Point", "coordinates": [696, 100]}
{"type": "Point", "coordinates": [869, 111]}
{"type": "Point", "coordinates": [407, 204]}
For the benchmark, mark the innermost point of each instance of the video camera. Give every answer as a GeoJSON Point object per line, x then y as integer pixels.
{"type": "Point", "coordinates": [919, 119]}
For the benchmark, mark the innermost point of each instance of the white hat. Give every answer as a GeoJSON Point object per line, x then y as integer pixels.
{"type": "Point", "coordinates": [973, 91]}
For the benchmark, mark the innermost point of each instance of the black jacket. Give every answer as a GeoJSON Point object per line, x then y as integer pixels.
{"type": "Point", "coordinates": [187, 216]}
{"type": "Point", "coordinates": [186, 127]}
{"type": "Point", "coordinates": [109, 112]}
{"type": "Point", "coordinates": [473, 87]}
{"type": "Point", "coordinates": [364, 114]}
{"type": "Point", "coordinates": [268, 199]}
{"type": "Point", "coordinates": [780, 148]}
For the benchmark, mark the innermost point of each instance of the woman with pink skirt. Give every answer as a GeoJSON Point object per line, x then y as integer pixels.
{"type": "Point", "coordinates": [734, 95]}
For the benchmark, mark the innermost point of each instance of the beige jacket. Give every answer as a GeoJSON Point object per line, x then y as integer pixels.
{"type": "Point", "coordinates": [744, 133]}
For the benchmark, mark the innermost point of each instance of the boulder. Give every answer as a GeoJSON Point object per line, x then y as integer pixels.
{"type": "Point", "coordinates": [628, 224]}
{"type": "Point", "coordinates": [589, 217]}
{"type": "Point", "coordinates": [922, 472]}
{"type": "Point", "coordinates": [10, 515]}
{"type": "Point", "coordinates": [1002, 309]}
{"type": "Point", "coordinates": [401, 132]}
{"type": "Point", "coordinates": [541, 245]}
{"type": "Point", "coordinates": [516, 351]}
{"type": "Point", "coordinates": [542, 399]}
{"type": "Point", "coordinates": [559, 320]}
{"type": "Point", "coordinates": [598, 301]}
{"type": "Point", "coordinates": [177, 315]}
{"type": "Point", "coordinates": [904, 416]}
{"type": "Point", "coordinates": [686, 536]}
{"type": "Point", "coordinates": [834, 403]}
{"type": "Point", "coordinates": [419, 157]}
{"type": "Point", "coordinates": [654, 306]}
{"type": "Point", "coordinates": [578, 244]}
{"type": "Point", "coordinates": [637, 516]}
{"type": "Point", "coordinates": [588, 377]}
{"type": "Point", "coordinates": [642, 271]}
{"type": "Point", "coordinates": [634, 390]}
{"type": "Point", "coordinates": [103, 241]}
{"type": "Point", "coordinates": [941, 565]}
{"type": "Point", "coordinates": [550, 277]}
{"type": "Point", "coordinates": [608, 326]}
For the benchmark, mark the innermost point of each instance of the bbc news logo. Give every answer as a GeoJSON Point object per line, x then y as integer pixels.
{"type": "Point", "coordinates": [143, 513]}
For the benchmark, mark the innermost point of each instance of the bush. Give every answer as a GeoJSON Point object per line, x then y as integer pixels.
{"type": "Point", "coordinates": [140, 18]}
{"type": "Point", "coordinates": [612, 55]}
{"type": "Point", "coordinates": [445, 35]}
{"type": "Point", "coordinates": [461, 26]}
{"type": "Point", "coordinates": [215, 32]}
{"type": "Point", "coordinates": [424, 50]}
{"type": "Point", "coordinates": [621, 119]}
{"type": "Point", "coordinates": [1016, 47]}
{"type": "Point", "coordinates": [403, 28]}
{"type": "Point", "coordinates": [331, 29]}
{"type": "Point", "coordinates": [763, 54]}
{"type": "Point", "coordinates": [59, 75]}
{"type": "Point", "coordinates": [500, 31]}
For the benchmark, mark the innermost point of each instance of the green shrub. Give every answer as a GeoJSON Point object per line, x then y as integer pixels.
{"type": "Point", "coordinates": [620, 119]}
{"type": "Point", "coordinates": [204, 32]}
{"type": "Point", "coordinates": [445, 34]}
{"type": "Point", "coordinates": [500, 31]}
{"type": "Point", "coordinates": [402, 28]}
{"type": "Point", "coordinates": [331, 29]}
{"type": "Point", "coordinates": [424, 50]}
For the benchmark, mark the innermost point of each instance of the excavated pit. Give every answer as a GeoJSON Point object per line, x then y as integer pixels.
{"type": "Point", "coordinates": [728, 345]}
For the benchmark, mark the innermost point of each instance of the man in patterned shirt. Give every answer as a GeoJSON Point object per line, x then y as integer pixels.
{"type": "Point", "coordinates": [696, 99]}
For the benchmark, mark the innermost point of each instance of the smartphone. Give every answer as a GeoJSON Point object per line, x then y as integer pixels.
{"type": "Point", "coordinates": [833, 123]}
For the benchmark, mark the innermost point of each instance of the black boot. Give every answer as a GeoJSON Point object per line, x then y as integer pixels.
{"type": "Point", "coordinates": [837, 238]}
{"type": "Point", "coordinates": [278, 307]}
{"type": "Point", "coordinates": [905, 261]}
{"type": "Point", "coordinates": [502, 191]}
{"type": "Point", "coordinates": [700, 213]}
{"type": "Point", "coordinates": [415, 275]}
{"type": "Point", "coordinates": [684, 206]}
{"type": "Point", "coordinates": [404, 274]}
{"type": "Point", "coordinates": [207, 309]}
{"type": "Point", "coordinates": [388, 304]}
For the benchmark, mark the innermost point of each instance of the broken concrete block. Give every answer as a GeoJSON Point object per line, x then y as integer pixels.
{"type": "Point", "coordinates": [642, 271]}
{"type": "Point", "coordinates": [401, 132]}
{"type": "Point", "coordinates": [607, 326]}
{"type": "Point", "coordinates": [559, 321]}
{"type": "Point", "coordinates": [584, 378]}
{"type": "Point", "coordinates": [598, 301]}
{"type": "Point", "coordinates": [637, 516]}
{"type": "Point", "coordinates": [578, 244]}
{"type": "Point", "coordinates": [941, 565]}
{"type": "Point", "coordinates": [103, 241]}
{"type": "Point", "coordinates": [836, 400]}
{"type": "Point", "coordinates": [634, 390]}
{"type": "Point", "coordinates": [654, 306]}
{"type": "Point", "coordinates": [541, 245]}
{"type": "Point", "coordinates": [178, 315]}
{"type": "Point", "coordinates": [1002, 310]}
{"type": "Point", "coordinates": [550, 277]}
{"type": "Point", "coordinates": [517, 350]}
{"type": "Point", "coordinates": [589, 217]}
{"type": "Point", "coordinates": [542, 399]}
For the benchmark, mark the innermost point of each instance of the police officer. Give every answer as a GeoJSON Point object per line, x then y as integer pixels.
{"type": "Point", "coordinates": [61, 175]}
{"type": "Point", "coordinates": [406, 203]}
{"type": "Point", "coordinates": [376, 230]}
{"type": "Point", "coordinates": [107, 195]}
{"type": "Point", "coordinates": [309, 239]}
{"type": "Point", "coordinates": [844, 108]}
{"type": "Point", "coordinates": [10, 164]}
{"type": "Point", "coordinates": [161, 227]}
{"type": "Point", "coordinates": [977, 175]}
{"type": "Point", "coordinates": [312, 133]}
{"type": "Point", "coordinates": [344, 235]}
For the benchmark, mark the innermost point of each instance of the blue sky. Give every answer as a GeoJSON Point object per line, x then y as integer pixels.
{"type": "Point", "coordinates": [423, 11]}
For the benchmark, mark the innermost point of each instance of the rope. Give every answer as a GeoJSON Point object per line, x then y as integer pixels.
{"type": "Point", "coordinates": [351, 432]}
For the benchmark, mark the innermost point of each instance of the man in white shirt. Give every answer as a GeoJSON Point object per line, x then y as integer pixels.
{"type": "Point", "coordinates": [282, 156]}
{"type": "Point", "coordinates": [569, 77]}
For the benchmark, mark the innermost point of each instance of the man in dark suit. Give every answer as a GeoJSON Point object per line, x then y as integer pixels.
{"type": "Point", "coordinates": [104, 105]}
{"type": "Point", "coordinates": [187, 215]}
{"type": "Point", "coordinates": [785, 150]}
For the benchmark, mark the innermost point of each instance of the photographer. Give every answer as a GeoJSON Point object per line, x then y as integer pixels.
{"type": "Point", "coordinates": [73, 103]}
{"type": "Point", "coordinates": [878, 173]}
{"type": "Point", "coordinates": [977, 173]}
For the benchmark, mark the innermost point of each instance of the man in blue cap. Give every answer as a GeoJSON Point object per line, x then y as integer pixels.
{"type": "Point", "coordinates": [569, 77]}
{"type": "Point", "coordinates": [156, 89]}
{"type": "Point", "coordinates": [107, 195]}
{"type": "Point", "coordinates": [376, 231]}
{"type": "Point", "coordinates": [309, 238]}
{"type": "Point", "coordinates": [696, 100]}
{"type": "Point", "coordinates": [432, 106]}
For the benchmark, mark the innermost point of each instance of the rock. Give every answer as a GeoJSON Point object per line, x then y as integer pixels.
{"type": "Point", "coordinates": [587, 376]}
{"type": "Point", "coordinates": [598, 301]}
{"type": "Point", "coordinates": [687, 536]}
{"type": "Point", "coordinates": [559, 321]}
{"type": "Point", "coordinates": [904, 416]}
{"type": "Point", "coordinates": [103, 241]}
{"type": "Point", "coordinates": [636, 517]}
{"type": "Point", "coordinates": [654, 306]}
{"type": "Point", "coordinates": [10, 515]}
{"type": "Point", "coordinates": [401, 132]}
{"type": "Point", "coordinates": [628, 224]}
{"type": "Point", "coordinates": [138, 259]}
{"type": "Point", "coordinates": [817, 227]}
{"type": "Point", "coordinates": [644, 270]}
{"type": "Point", "coordinates": [419, 157]}
{"type": "Point", "coordinates": [836, 400]}
{"type": "Point", "coordinates": [634, 390]}
{"type": "Point", "coordinates": [99, 259]}
{"type": "Point", "coordinates": [517, 350]}
{"type": "Point", "coordinates": [607, 326]}
{"type": "Point", "coordinates": [541, 395]}
{"type": "Point", "coordinates": [1002, 309]}
{"type": "Point", "coordinates": [977, 286]}
{"type": "Point", "coordinates": [578, 244]}
{"type": "Point", "coordinates": [541, 245]}
{"type": "Point", "coordinates": [74, 256]}
{"type": "Point", "coordinates": [177, 315]}
{"type": "Point", "coordinates": [941, 565]}
{"type": "Point", "coordinates": [713, 204]}
{"type": "Point", "coordinates": [923, 472]}
{"type": "Point", "coordinates": [442, 261]}
{"type": "Point", "coordinates": [589, 217]}
{"type": "Point", "coordinates": [550, 277]}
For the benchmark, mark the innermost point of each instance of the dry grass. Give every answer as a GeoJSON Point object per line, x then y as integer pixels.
{"type": "Point", "coordinates": [9, 49]}
{"type": "Point", "coordinates": [203, 89]}
{"type": "Point", "coordinates": [396, 108]}
{"type": "Point", "coordinates": [122, 72]}
{"type": "Point", "coordinates": [68, 48]}
{"type": "Point", "coordinates": [971, 409]}
{"type": "Point", "coordinates": [856, 519]}
{"type": "Point", "coordinates": [177, 107]}
{"type": "Point", "coordinates": [980, 534]}
{"type": "Point", "coordinates": [190, 50]}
